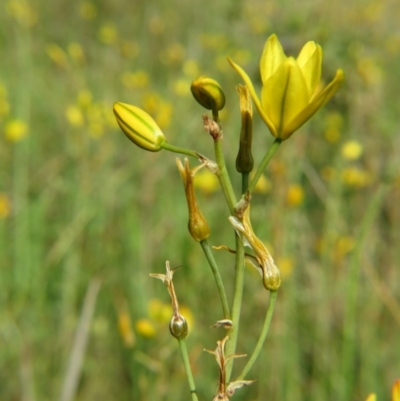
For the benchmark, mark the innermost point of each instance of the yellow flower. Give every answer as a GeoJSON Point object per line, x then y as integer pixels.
{"type": "Point", "coordinates": [294, 195]}
{"type": "Point", "coordinates": [145, 328]}
{"type": "Point", "coordinates": [139, 127]}
{"type": "Point", "coordinates": [15, 130]}
{"type": "Point", "coordinates": [291, 92]}
{"type": "Point", "coordinates": [74, 116]}
{"type": "Point", "coordinates": [352, 150]}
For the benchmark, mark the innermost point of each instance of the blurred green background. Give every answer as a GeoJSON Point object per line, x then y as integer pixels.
{"type": "Point", "coordinates": [85, 216]}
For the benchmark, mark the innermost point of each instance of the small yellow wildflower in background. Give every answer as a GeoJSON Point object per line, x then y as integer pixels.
{"type": "Point", "coordinates": [206, 182]}
{"type": "Point", "coordinates": [150, 102]}
{"type": "Point", "coordinates": [5, 206]}
{"type": "Point", "coordinates": [369, 71]}
{"type": "Point", "coordinates": [181, 87]}
{"type": "Point", "coordinates": [95, 120]}
{"type": "Point", "coordinates": [22, 11]}
{"type": "Point", "coordinates": [15, 130]}
{"type": "Point", "coordinates": [75, 51]}
{"type": "Point", "coordinates": [215, 42]}
{"type": "Point", "coordinates": [138, 79]}
{"type": "Point", "coordinates": [164, 114]}
{"type": "Point", "coordinates": [159, 311]}
{"type": "Point", "coordinates": [345, 244]}
{"type": "Point", "coordinates": [263, 186]}
{"type": "Point", "coordinates": [294, 195]}
{"type": "Point", "coordinates": [352, 150]}
{"type": "Point", "coordinates": [108, 34]}
{"type": "Point", "coordinates": [84, 98]}
{"type": "Point", "coordinates": [191, 68]}
{"type": "Point", "coordinates": [57, 55]}
{"type": "Point", "coordinates": [87, 10]}
{"type": "Point", "coordinates": [355, 177]}
{"type": "Point", "coordinates": [145, 328]}
{"type": "Point", "coordinates": [173, 54]}
{"type": "Point", "coordinates": [74, 116]}
{"type": "Point", "coordinates": [125, 329]}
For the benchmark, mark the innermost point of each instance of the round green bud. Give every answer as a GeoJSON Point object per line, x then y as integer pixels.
{"type": "Point", "coordinates": [208, 93]}
{"type": "Point", "coordinates": [178, 327]}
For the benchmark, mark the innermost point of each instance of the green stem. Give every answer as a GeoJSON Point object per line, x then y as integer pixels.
{"type": "Point", "coordinates": [217, 276]}
{"type": "Point", "coordinates": [271, 151]}
{"type": "Point", "coordinates": [236, 304]}
{"type": "Point", "coordinates": [176, 149]}
{"type": "Point", "coordinates": [224, 177]}
{"type": "Point", "coordinates": [245, 182]}
{"type": "Point", "coordinates": [186, 363]}
{"type": "Point", "coordinates": [263, 336]}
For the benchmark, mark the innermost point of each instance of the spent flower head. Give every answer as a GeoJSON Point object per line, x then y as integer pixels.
{"type": "Point", "coordinates": [198, 226]}
{"type": "Point", "coordinates": [291, 92]}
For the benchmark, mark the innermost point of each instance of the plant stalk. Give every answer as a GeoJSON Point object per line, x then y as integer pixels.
{"type": "Point", "coordinates": [218, 280]}
{"type": "Point", "coordinates": [263, 336]}
{"type": "Point", "coordinates": [186, 363]}
{"type": "Point", "coordinates": [271, 151]}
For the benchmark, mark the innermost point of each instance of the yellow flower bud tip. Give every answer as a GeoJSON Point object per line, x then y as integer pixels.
{"type": "Point", "coordinates": [178, 327]}
{"type": "Point", "coordinates": [208, 93]}
{"type": "Point", "coordinates": [139, 127]}
{"type": "Point", "coordinates": [291, 92]}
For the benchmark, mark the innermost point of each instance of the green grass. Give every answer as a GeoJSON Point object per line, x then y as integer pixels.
{"type": "Point", "coordinates": [85, 204]}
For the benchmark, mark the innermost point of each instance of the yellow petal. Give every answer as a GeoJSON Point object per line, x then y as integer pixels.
{"type": "Point", "coordinates": [272, 57]}
{"type": "Point", "coordinates": [256, 100]}
{"type": "Point", "coordinates": [317, 103]}
{"type": "Point", "coordinates": [371, 397]}
{"type": "Point", "coordinates": [310, 61]}
{"type": "Point", "coordinates": [284, 95]}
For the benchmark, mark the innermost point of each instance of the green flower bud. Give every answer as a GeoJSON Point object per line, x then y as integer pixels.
{"type": "Point", "coordinates": [208, 93]}
{"type": "Point", "coordinates": [178, 327]}
{"type": "Point", "coordinates": [139, 127]}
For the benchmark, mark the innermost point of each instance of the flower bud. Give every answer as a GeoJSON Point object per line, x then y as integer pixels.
{"type": "Point", "coordinates": [178, 327]}
{"type": "Point", "coordinates": [244, 159]}
{"type": "Point", "coordinates": [208, 93]}
{"type": "Point", "coordinates": [139, 127]}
